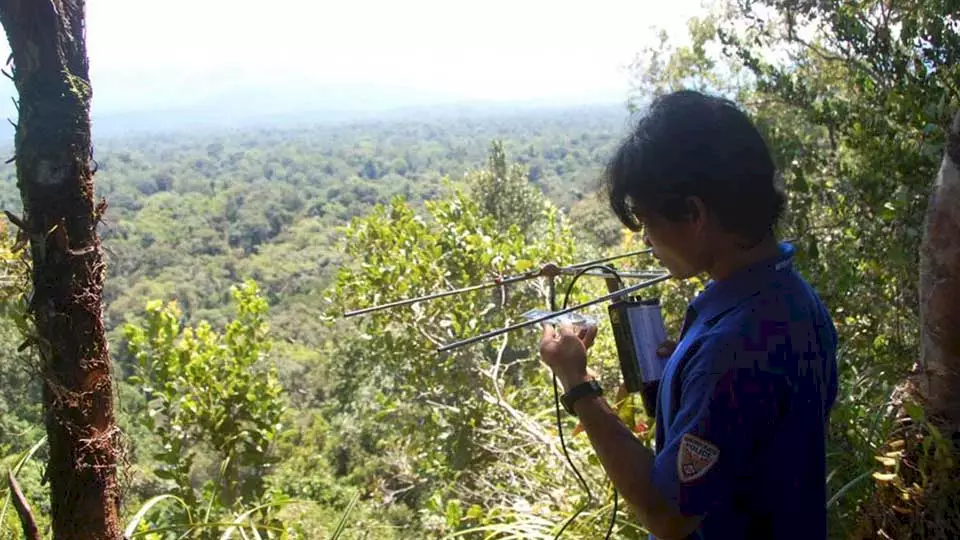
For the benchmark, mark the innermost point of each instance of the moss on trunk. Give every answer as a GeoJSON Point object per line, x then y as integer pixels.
{"type": "Point", "coordinates": [54, 157]}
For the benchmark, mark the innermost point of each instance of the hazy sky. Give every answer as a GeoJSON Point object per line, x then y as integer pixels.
{"type": "Point", "coordinates": [167, 53]}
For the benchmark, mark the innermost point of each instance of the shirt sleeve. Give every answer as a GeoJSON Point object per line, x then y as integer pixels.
{"type": "Point", "coordinates": [728, 403]}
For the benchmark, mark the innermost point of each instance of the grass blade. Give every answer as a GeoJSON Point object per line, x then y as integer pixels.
{"type": "Point", "coordinates": [237, 523]}
{"type": "Point", "coordinates": [138, 517]}
{"type": "Point", "coordinates": [836, 496]}
{"type": "Point", "coordinates": [26, 456]}
{"type": "Point", "coordinates": [342, 525]}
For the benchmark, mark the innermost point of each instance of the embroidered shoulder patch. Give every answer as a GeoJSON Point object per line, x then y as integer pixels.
{"type": "Point", "coordinates": [695, 457]}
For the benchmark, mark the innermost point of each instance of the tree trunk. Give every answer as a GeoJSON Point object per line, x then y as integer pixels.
{"type": "Point", "coordinates": [53, 157]}
{"type": "Point", "coordinates": [939, 382]}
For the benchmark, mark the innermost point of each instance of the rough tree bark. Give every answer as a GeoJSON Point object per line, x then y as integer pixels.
{"type": "Point", "coordinates": [940, 291]}
{"type": "Point", "coordinates": [53, 159]}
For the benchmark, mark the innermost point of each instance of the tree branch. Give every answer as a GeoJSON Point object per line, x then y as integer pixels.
{"type": "Point", "coordinates": [30, 530]}
{"type": "Point", "coordinates": [846, 58]}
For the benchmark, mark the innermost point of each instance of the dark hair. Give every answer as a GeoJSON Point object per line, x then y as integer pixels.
{"type": "Point", "coordinates": [691, 144]}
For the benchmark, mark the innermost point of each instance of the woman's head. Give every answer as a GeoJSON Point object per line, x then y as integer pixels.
{"type": "Point", "coordinates": [694, 173]}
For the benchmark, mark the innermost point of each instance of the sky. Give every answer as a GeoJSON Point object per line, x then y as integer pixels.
{"type": "Point", "coordinates": [149, 55]}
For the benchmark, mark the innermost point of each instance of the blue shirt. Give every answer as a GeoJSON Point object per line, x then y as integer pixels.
{"type": "Point", "coordinates": [743, 407]}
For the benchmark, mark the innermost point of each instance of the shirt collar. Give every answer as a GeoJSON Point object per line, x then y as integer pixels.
{"type": "Point", "coordinates": [720, 296]}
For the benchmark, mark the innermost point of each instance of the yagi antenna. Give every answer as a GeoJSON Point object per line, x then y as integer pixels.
{"type": "Point", "coordinates": [495, 333]}
{"type": "Point", "coordinates": [549, 270]}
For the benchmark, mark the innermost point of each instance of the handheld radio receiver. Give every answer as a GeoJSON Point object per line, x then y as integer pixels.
{"type": "Point", "coordinates": [638, 330]}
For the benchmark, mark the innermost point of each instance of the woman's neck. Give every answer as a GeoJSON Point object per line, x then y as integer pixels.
{"type": "Point", "coordinates": [732, 258]}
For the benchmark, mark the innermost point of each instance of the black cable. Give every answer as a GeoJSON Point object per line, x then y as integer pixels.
{"type": "Point", "coordinates": [556, 396]}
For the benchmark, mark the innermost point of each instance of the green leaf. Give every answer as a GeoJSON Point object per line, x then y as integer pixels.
{"type": "Point", "coordinates": [453, 513]}
{"type": "Point", "coordinates": [914, 411]}
{"type": "Point", "coordinates": [165, 474]}
{"type": "Point", "coordinates": [474, 512]}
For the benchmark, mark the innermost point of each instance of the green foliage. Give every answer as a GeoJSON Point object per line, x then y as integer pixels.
{"type": "Point", "coordinates": [505, 193]}
{"type": "Point", "coordinates": [206, 388]}
{"type": "Point", "coordinates": [25, 469]}
{"type": "Point", "coordinates": [19, 387]}
{"type": "Point", "coordinates": [439, 400]}
{"type": "Point", "coordinates": [595, 227]}
{"type": "Point", "coordinates": [21, 430]}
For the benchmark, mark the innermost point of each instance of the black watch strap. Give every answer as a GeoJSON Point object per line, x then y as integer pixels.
{"type": "Point", "coordinates": [582, 390]}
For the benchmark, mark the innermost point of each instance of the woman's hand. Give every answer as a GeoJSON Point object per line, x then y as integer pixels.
{"type": "Point", "coordinates": [564, 351]}
{"type": "Point", "coordinates": [666, 348]}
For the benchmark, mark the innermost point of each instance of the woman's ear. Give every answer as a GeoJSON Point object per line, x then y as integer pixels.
{"type": "Point", "coordinates": [696, 211]}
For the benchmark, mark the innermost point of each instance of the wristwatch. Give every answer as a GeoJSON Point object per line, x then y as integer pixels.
{"type": "Point", "coordinates": [582, 390]}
